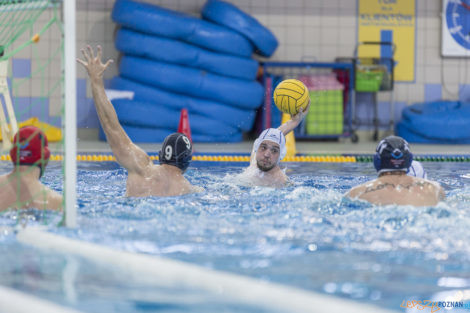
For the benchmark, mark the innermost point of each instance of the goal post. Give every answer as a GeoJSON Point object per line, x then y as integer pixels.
{"type": "Point", "coordinates": [70, 124]}
{"type": "Point", "coordinates": [38, 80]}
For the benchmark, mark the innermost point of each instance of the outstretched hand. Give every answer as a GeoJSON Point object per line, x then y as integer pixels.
{"type": "Point", "coordinates": [92, 63]}
{"type": "Point", "coordinates": [297, 118]}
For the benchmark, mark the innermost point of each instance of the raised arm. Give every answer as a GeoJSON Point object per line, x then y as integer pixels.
{"type": "Point", "coordinates": [295, 120]}
{"type": "Point", "coordinates": [130, 156]}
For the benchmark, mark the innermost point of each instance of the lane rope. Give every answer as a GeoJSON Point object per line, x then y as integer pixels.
{"type": "Point", "coordinates": [360, 158]}
{"type": "Point", "coordinates": [210, 158]}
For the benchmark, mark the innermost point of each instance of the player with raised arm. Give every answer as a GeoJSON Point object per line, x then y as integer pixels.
{"type": "Point", "coordinates": [144, 177]}
{"type": "Point", "coordinates": [268, 151]}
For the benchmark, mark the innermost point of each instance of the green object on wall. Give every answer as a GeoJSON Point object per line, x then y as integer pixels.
{"type": "Point", "coordinates": [325, 116]}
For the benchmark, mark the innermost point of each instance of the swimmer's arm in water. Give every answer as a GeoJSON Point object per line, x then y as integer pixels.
{"type": "Point", "coordinates": [130, 156]}
{"type": "Point", "coordinates": [295, 120]}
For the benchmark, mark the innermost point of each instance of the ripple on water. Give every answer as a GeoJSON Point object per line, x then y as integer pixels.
{"type": "Point", "coordinates": [306, 234]}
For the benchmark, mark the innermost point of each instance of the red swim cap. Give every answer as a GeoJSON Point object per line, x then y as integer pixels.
{"type": "Point", "coordinates": [30, 147]}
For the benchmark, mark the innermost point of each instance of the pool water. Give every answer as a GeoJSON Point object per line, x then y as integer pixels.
{"type": "Point", "coordinates": [306, 235]}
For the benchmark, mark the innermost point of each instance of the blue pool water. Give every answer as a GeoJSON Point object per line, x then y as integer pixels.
{"type": "Point", "coordinates": [305, 235]}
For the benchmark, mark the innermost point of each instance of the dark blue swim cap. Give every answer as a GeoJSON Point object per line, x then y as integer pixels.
{"type": "Point", "coordinates": [176, 150]}
{"type": "Point", "coordinates": [392, 154]}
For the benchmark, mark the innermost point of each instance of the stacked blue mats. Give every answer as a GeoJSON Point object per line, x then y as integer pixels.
{"type": "Point", "coordinates": [173, 61]}
{"type": "Point", "coordinates": [440, 122]}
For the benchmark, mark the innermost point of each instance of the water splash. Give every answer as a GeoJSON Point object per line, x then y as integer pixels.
{"type": "Point", "coordinates": [306, 234]}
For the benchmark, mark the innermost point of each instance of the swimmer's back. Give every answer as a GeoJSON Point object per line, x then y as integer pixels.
{"type": "Point", "coordinates": [27, 195]}
{"type": "Point", "coordinates": [400, 190]}
{"type": "Point", "coordinates": [160, 181]}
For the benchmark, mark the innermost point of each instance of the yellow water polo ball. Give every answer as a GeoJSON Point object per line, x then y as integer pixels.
{"type": "Point", "coordinates": [290, 96]}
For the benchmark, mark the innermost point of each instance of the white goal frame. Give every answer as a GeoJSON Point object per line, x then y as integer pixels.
{"type": "Point", "coordinates": [70, 121]}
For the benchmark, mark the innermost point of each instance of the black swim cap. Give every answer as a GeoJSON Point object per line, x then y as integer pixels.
{"type": "Point", "coordinates": [392, 154]}
{"type": "Point", "coordinates": [176, 150]}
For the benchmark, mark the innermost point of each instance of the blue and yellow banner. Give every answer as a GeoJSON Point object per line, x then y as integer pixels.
{"type": "Point", "coordinates": [389, 21]}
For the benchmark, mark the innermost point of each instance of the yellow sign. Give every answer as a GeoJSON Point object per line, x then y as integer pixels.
{"type": "Point", "coordinates": [389, 21]}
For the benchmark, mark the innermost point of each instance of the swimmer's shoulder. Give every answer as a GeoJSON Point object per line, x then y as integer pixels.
{"type": "Point", "coordinates": [427, 188]}
{"type": "Point", "coordinates": [426, 182]}
{"type": "Point", "coordinates": [54, 199]}
{"type": "Point", "coordinates": [45, 198]}
{"type": "Point", "coordinates": [441, 194]}
{"type": "Point", "coordinates": [354, 192]}
{"type": "Point", "coordinates": [357, 191]}
{"type": "Point", "coordinates": [186, 186]}
{"type": "Point", "coordinates": [5, 184]}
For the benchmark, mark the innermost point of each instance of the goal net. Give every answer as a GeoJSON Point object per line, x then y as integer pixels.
{"type": "Point", "coordinates": [33, 80]}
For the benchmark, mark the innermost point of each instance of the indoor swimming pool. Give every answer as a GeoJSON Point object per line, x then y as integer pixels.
{"type": "Point", "coordinates": [305, 236]}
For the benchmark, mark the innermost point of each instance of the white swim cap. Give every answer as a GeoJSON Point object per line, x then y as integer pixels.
{"type": "Point", "coordinates": [273, 135]}
{"type": "Point", "coordinates": [416, 169]}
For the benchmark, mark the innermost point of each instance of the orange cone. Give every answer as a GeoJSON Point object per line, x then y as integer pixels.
{"type": "Point", "coordinates": [183, 126]}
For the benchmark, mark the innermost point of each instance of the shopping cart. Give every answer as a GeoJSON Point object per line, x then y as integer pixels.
{"type": "Point", "coordinates": [372, 75]}
{"type": "Point", "coordinates": [375, 74]}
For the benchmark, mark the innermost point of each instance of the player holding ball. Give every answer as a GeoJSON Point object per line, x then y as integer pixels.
{"type": "Point", "coordinates": [292, 97]}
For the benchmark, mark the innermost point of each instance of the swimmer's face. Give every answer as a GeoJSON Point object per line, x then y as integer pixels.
{"type": "Point", "coordinates": [267, 155]}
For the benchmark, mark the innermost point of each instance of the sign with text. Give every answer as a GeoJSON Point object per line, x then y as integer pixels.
{"type": "Point", "coordinates": [389, 21]}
